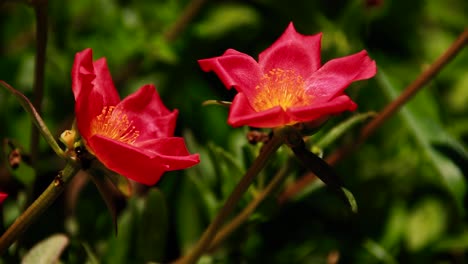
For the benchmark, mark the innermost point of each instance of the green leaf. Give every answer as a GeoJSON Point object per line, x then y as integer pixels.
{"type": "Point", "coordinates": [458, 242]}
{"type": "Point", "coordinates": [420, 118]}
{"type": "Point", "coordinates": [120, 246]}
{"type": "Point", "coordinates": [379, 252]}
{"type": "Point", "coordinates": [189, 220]}
{"type": "Point", "coordinates": [225, 18]}
{"type": "Point", "coordinates": [227, 159]}
{"type": "Point", "coordinates": [47, 251]}
{"type": "Point", "coordinates": [426, 224]}
{"type": "Point", "coordinates": [92, 259]}
{"type": "Point", "coordinates": [325, 173]}
{"type": "Point", "coordinates": [395, 225]}
{"type": "Point", "coordinates": [350, 199]}
{"type": "Point", "coordinates": [163, 51]}
{"type": "Point", "coordinates": [28, 106]}
{"type": "Point", "coordinates": [203, 175]}
{"type": "Point", "coordinates": [455, 151]}
{"type": "Point", "coordinates": [25, 174]}
{"type": "Point", "coordinates": [109, 192]}
{"type": "Point", "coordinates": [152, 228]}
{"type": "Point", "coordinates": [120, 182]}
{"type": "Point", "coordinates": [208, 197]}
{"type": "Point", "coordinates": [342, 128]}
{"type": "Point", "coordinates": [227, 168]}
{"type": "Point", "coordinates": [217, 102]}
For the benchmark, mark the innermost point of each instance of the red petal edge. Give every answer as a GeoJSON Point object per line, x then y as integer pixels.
{"type": "Point", "coordinates": [309, 113]}
{"type": "Point", "coordinates": [293, 51]}
{"type": "Point", "coordinates": [149, 114]}
{"type": "Point", "coordinates": [241, 113]}
{"type": "Point", "coordinates": [235, 69]}
{"type": "Point", "coordinates": [3, 196]}
{"type": "Point", "coordinates": [337, 74]}
{"type": "Point", "coordinates": [137, 163]}
{"type": "Point", "coordinates": [93, 89]}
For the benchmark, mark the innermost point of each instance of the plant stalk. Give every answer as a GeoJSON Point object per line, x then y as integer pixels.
{"type": "Point", "coordinates": [35, 210]}
{"type": "Point", "coordinates": [250, 208]}
{"type": "Point", "coordinates": [385, 114]}
{"type": "Point", "coordinates": [187, 15]}
{"type": "Point", "coordinates": [268, 150]}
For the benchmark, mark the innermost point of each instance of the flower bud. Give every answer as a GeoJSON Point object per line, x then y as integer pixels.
{"type": "Point", "coordinates": [68, 138]}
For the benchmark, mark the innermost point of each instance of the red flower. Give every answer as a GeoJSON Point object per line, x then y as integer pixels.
{"type": "Point", "coordinates": [288, 84]}
{"type": "Point", "coordinates": [3, 196]}
{"type": "Point", "coordinates": [132, 137]}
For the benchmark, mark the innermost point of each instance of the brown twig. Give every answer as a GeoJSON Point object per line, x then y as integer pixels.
{"type": "Point", "coordinates": [209, 234]}
{"type": "Point", "coordinates": [37, 208]}
{"type": "Point", "coordinates": [236, 222]}
{"type": "Point", "coordinates": [385, 114]}
{"type": "Point", "coordinates": [40, 9]}
{"type": "Point", "coordinates": [187, 15]}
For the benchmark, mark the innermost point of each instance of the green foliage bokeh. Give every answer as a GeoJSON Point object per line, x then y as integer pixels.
{"type": "Point", "coordinates": [409, 178]}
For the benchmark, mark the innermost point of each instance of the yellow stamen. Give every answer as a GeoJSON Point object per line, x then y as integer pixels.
{"type": "Point", "coordinates": [283, 88]}
{"type": "Point", "coordinates": [113, 123]}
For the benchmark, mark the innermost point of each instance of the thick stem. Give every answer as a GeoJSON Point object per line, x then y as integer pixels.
{"type": "Point", "coordinates": [40, 9]}
{"type": "Point", "coordinates": [38, 206]}
{"type": "Point", "coordinates": [245, 214]}
{"type": "Point", "coordinates": [187, 15]}
{"type": "Point", "coordinates": [415, 86]}
{"type": "Point", "coordinates": [268, 150]}
{"type": "Point", "coordinates": [385, 114]}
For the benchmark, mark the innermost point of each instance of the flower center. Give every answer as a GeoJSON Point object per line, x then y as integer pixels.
{"type": "Point", "coordinates": [283, 88]}
{"type": "Point", "coordinates": [113, 123]}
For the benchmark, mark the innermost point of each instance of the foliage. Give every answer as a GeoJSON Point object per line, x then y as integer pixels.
{"type": "Point", "coordinates": [409, 179]}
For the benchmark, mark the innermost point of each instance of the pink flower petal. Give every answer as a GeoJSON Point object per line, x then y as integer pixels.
{"type": "Point", "coordinates": [309, 113]}
{"type": "Point", "coordinates": [149, 115]}
{"type": "Point", "coordinates": [241, 113]}
{"type": "Point", "coordinates": [235, 69]}
{"type": "Point", "coordinates": [127, 160]}
{"type": "Point", "coordinates": [103, 83]}
{"type": "Point", "coordinates": [172, 152]}
{"type": "Point", "coordinates": [3, 196]}
{"type": "Point", "coordinates": [284, 66]}
{"type": "Point", "coordinates": [143, 163]}
{"type": "Point", "coordinates": [93, 89]}
{"type": "Point", "coordinates": [132, 137]}
{"type": "Point", "coordinates": [293, 51]}
{"type": "Point", "coordinates": [337, 74]}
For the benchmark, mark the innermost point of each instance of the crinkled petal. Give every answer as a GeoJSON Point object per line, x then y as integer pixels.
{"type": "Point", "coordinates": [241, 113]}
{"type": "Point", "coordinates": [93, 89]}
{"type": "Point", "coordinates": [314, 111]}
{"type": "Point", "coordinates": [337, 74]}
{"type": "Point", "coordinates": [144, 163]}
{"type": "Point", "coordinates": [129, 161]}
{"type": "Point", "coordinates": [172, 152]}
{"type": "Point", "coordinates": [293, 51]}
{"type": "Point", "coordinates": [149, 115]}
{"type": "Point", "coordinates": [235, 69]}
{"type": "Point", "coordinates": [103, 83]}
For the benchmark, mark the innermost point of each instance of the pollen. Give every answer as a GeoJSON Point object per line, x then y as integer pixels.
{"type": "Point", "coordinates": [114, 124]}
{"type": "Point", "coordinates": [283, 88]}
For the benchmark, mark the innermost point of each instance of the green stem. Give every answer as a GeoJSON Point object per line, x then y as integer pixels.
{"type": "Point", "coordinates": [37, 119]}
{"type": "Point", "coordinates": [268, 150]}
{"type": "Point", "coordinates": [245, 214]}
{"type": "Point", "coordinates": [38, 206]}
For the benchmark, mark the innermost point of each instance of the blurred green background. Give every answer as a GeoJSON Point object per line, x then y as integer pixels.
{"type": "Point", "coordinates": [409, 179]}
